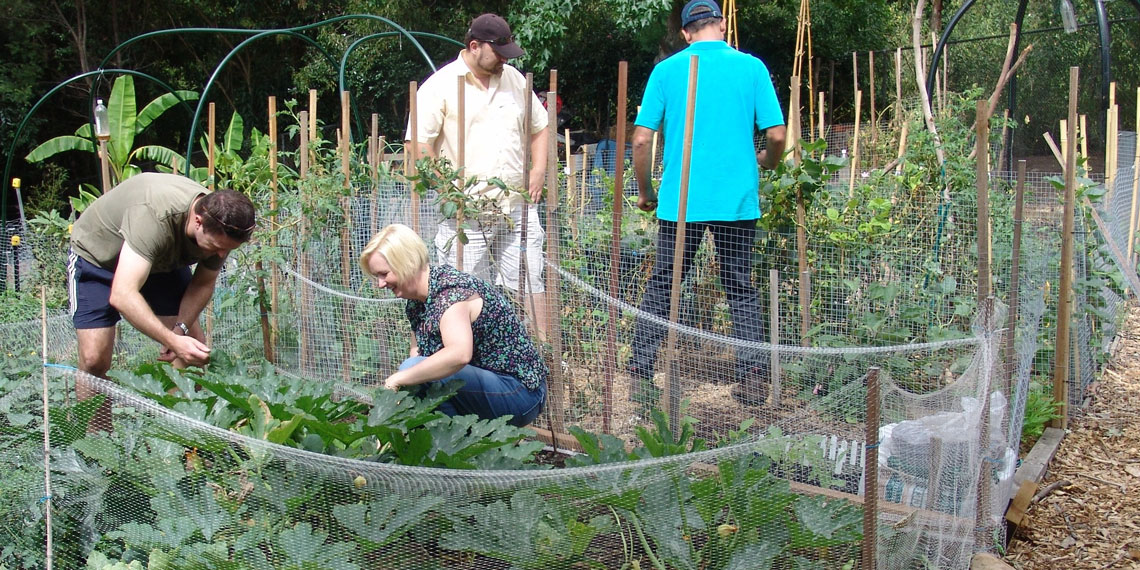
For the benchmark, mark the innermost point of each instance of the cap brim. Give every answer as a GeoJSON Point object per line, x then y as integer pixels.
{"type": "Point", "coordinates": [509, 51]}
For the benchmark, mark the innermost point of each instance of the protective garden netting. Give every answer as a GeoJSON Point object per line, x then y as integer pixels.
{"type": "Point", "coordinates": [746, 447]}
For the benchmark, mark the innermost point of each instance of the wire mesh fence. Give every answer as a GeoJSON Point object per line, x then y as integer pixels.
{"type": "Point", "coordinates": [883, 349]}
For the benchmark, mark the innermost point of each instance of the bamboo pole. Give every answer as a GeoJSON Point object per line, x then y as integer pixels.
{"type": "Point", "coordinates": [1065, 142]}
{"type": "Point", "coordinates": [1132, 212]}
{"type": "Point", "coordinates": [902, 147]}
{"type": "Point", "coordinates": [412, 155]}
{"type": "Point", "coordinates": [673, 387]}
{"type": "Point", "coordinates": [312, 114]}
{"type": "Point", "coordinates": [585, 172]}
{"type": "Point", "coordinates": [211, 164]}
{"type": "Point", "coordinates": [615, 256]}
{"type": "Point", "coordinates": [855, 145]}
{"type": "Point", "coordinates": [302, 258]}
{"type": "Point", "coordinates": [810, 63]}
{"type": "Point", "coordinates": [871, 86]}
{"type": "Point", "coordinates": [871, 472]}
{"type": "Point", "coordinates": [793, 121]}
{"type": "Point", "coordinates": [553, 295]}
{"type": "Point", "coordinates": [49, 549]}
{"type": "Point", "coordinates": [982, 146]}
{"type": "Point", "coordinates": [1082, 130]}
{"type": "Point", "coordinates": [1111, 159]}
{"type": "Point", "coordinates": [1014, 274]}
{"type": "Point", "coordinates": [1064, 310]}
{"type": "Point", "coordinates": [461, 165]}
{"type": "Point", "coordinates": [855, 74]}
{"type": "Point", "coordinates": [774, 333]}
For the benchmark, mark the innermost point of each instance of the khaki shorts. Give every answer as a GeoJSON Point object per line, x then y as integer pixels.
{"type": "Point", "coordinates": [492, 251]}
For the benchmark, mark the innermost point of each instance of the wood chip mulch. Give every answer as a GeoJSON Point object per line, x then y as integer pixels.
{"type": "Point", "coordinates": [1094, 520]}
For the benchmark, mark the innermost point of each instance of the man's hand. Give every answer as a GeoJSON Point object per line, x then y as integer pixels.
{"type": "Point", "coordinates": [647, 199]}
{"type": "Point", "coordinates": [188, 349]}
{"type": "Point", "coordinates": [535, 187]}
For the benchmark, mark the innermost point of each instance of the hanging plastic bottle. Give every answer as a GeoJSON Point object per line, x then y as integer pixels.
{"type": "Point", "coordinates": [102, 122]}
{"type": "Point", "coordinates": [1068, 17]}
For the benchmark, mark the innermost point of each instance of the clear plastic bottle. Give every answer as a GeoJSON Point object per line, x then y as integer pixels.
{"type": "Point", "coordinates": [1068, 17]}
{"type": "Point", "coordinates": [102, 122]}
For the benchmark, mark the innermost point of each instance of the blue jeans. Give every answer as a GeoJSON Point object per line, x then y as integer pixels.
{"type": "Point", "coordinates": [489, 395]}
{"type": "Point", "coordinates": [733, 242]}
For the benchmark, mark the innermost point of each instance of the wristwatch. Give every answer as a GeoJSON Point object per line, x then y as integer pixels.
{"type": "Point", "coordinates": [185, 329]}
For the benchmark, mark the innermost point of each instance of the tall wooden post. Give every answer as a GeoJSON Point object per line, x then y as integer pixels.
{"type": "Point", "coordinates": [983, 187]}
{"type": "Point", "coordinates": [1134, 212]}
{"type": "Point", "coordinates": [871, 472]}
{"type": "Point", "coordinates": [855, 145]}
{"type": "Point", "coordinates": [774, 333]}
{"type": "Point", "coordinates": [461, 159]}
{"type": "Point", "coordinates": [1014, 274]}
{"type": "Point", "coordinates": [211, 129]}
{"type": "Point", "coordinates": [303, 348]}
{"type": "Point", "coordinates": [553, 295]}
{"type": "Point", "coordinates": [1064, 310]}
{"type": "Point", "coordinates": [412, 153]}
{"type": "Point", "coordinates": [615, 254]}
{"type": "Point", "coordinates": [801, 216]}
{"type": "Point", "coordinates": [871, 87]}
{"type": "Point", "coordinates": [347, 312]}
{"type": "Point", "coordinates": [673, 387]}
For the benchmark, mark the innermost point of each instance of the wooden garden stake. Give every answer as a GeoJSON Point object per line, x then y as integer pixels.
{"type": "Point", "coordinates": [801, 214]}
{"type": "Point", "coordinates": [982, 512]}
{"type": "Point", "coordinates": [871, 85]}
{"type": "Point", "coordinates": [855, 145]}
{"type": "Point", "coordinates": [347, 311]}
{"type": "Point", "coordinates": [774, 332]}
{"type": "Point", "coordinates": [983, 186]}
{"type": "Point", "coordinates": [855, 75]}
{"type": "Point", "coordinates": [377, 150]}
{"type": "Point", "coordinates": [49, 550]}
{"type": "Point", "coordinates": [1064, 311]}
{"type": "Point", "coordinates": [264, 305]}
{"type": "Point", "coordinates": [615, 255]}
{"type": "Point", "coordinates": [524, 288]}
{"type": "Point", "coordinates": [569, 173]}
{"type": "Point", "coordinates": [898, 86]}
{"type": "Point", "coordinates": [412, 153]}
{"type": "Point", "coordinates": [1132, 211]}
{"type": "Point", "coordinates": [1082, 140]}
{"type": "Point", "coordinates": [1110, 143]}
{"type": "Point", "coordinates": [211, 125]}
{"type": "Point", "coordinates": [274, 276]}
{"type": "Point", "coordinates": [871, 471]}
{"type": "Point", "coordinates": [822, 128]}
{"type": "Point", "coordinates": [673, 388]}
{"type": "Point", "coordinates": [461, 165]}
{"type": "Point", "coordinates": [585, 173]}
{"type": "Point", "coordinates": [553, 309]}
{"type": "Point", "coordinates": [302, 258]}
{"type": "Point", "coordinates": [1014, 274]}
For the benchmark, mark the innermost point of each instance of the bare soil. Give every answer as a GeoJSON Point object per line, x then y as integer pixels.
{"type": "Point", "coordinates": [1093, 521]}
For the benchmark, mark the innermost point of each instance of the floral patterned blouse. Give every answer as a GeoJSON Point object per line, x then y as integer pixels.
{"type": "Point", "coordinates": [501, 341]}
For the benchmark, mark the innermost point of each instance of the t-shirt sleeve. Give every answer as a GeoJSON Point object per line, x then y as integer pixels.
{"type": "Point", "coordinates": [143, 231]}
{"type": "Point", "coordinates": [652, 103]}
{"type": "Point", "coordinates": [768, 113]}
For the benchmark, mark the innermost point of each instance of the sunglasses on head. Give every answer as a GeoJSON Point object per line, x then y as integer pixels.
{"type": "Point", "coordinates": [240, 234]}
{"type": "Point", "coordinates": [505, 40]}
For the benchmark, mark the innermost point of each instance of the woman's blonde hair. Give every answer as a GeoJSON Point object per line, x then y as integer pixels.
{"type": "Point", "coordinates": [401, 246]}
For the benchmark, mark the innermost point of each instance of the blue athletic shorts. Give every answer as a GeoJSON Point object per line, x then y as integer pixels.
{"type": "Point", "coordinates": [89, 292]}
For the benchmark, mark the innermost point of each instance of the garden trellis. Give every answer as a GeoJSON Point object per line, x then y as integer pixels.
{"type": "Point", "coordinates": [901, 402]}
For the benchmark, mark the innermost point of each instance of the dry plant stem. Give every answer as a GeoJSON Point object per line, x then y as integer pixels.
{"type": "Point", "coordinates": [1007, 71]}
{"type": "Point", "coordinates": [920, 78]}
{"type": "Point", "coordinates": [1046, 490]}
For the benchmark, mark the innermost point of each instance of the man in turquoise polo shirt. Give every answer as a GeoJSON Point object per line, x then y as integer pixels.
{"type": "Point", "coordinates": [735, 98]}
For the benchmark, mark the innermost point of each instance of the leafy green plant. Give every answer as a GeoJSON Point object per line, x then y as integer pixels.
{"type": "Point", "coordinates": [126, 124]}
{"type": "Point", "coordinates": [1040, 409]}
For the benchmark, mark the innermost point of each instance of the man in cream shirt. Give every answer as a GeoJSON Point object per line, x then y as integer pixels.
{"type": "Point", "coordinates": [494, 134]}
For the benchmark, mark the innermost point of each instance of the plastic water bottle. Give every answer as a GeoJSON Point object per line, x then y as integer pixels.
{"type": "Point", "coordinates": [102, 122]}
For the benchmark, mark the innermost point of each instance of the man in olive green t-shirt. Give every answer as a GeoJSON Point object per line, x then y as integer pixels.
{"type": "Point", "coordinates": [131, 253]}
